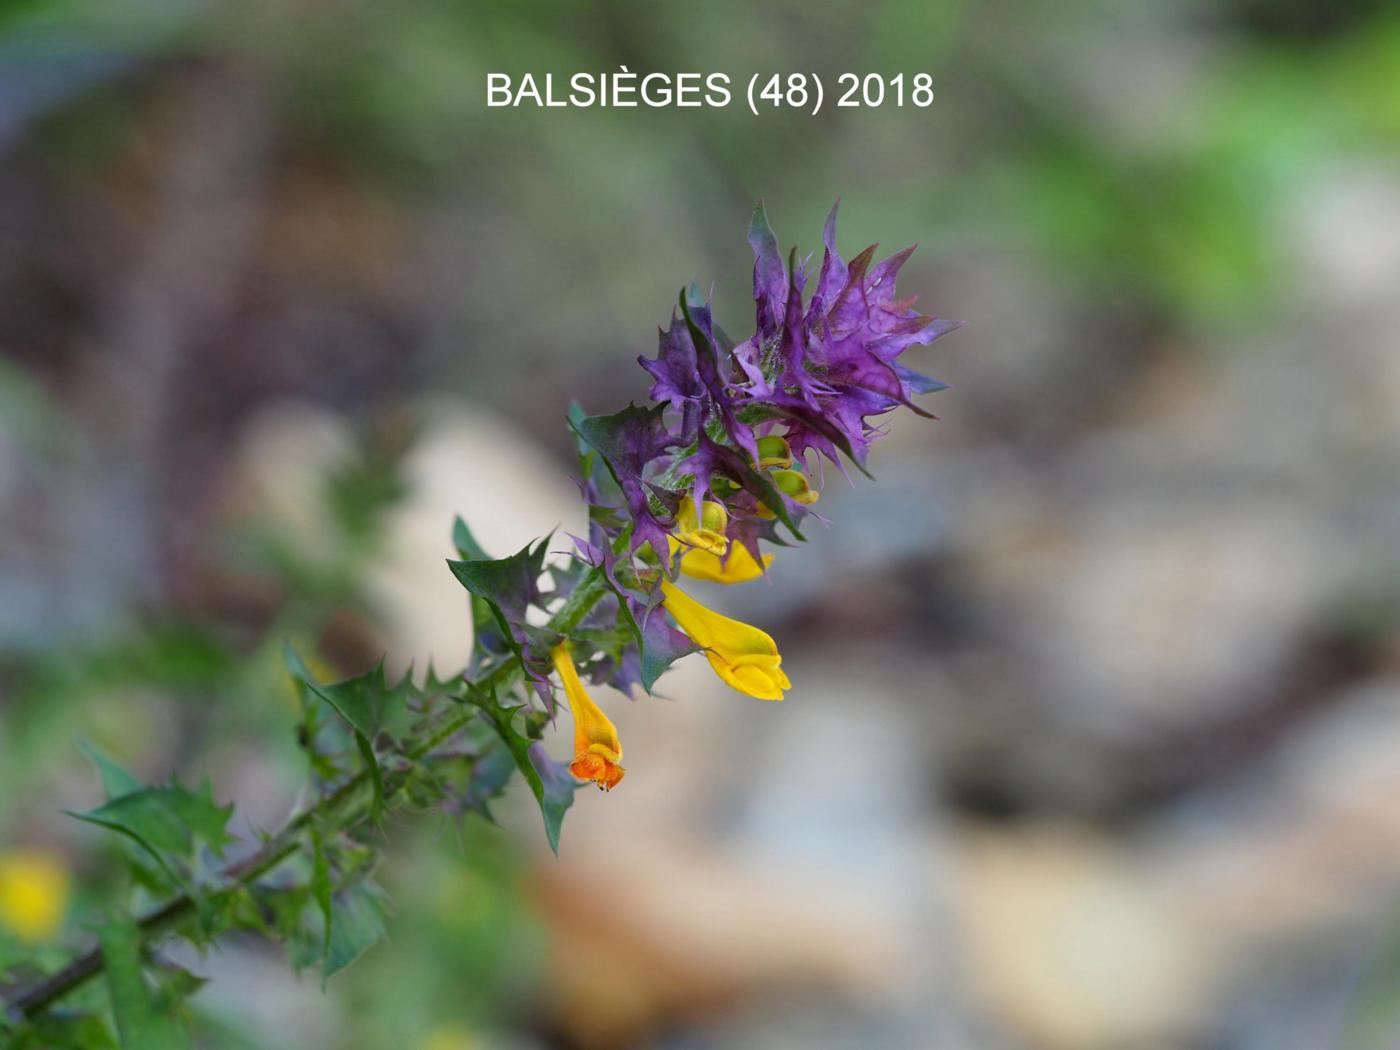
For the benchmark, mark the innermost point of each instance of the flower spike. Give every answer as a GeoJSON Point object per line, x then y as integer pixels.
{"type": "Point", "coordinates": [725, 463]}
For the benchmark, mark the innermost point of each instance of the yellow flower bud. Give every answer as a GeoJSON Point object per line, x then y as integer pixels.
{"type": "Point", "coordinates": [704, 531]}
{"type": "Point", "coordinates": [773, 451]}
{"type": "Point", "coordinates": [794, 484]}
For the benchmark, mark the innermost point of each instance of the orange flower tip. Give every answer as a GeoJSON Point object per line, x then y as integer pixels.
{"type": "Point", "coordinates": [598, 768]}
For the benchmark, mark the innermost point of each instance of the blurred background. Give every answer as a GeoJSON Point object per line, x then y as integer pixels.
{"type": "Point", "coordinates": [1095, 735]}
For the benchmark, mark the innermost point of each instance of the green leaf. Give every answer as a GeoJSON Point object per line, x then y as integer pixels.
{"type": "Point", "coordinates": [488, 641]}
{"type": "Point", "coordinates": [296, 667]}
{"type": "Point", "coordinates": [115, 780]}
{"type": "Point", "coordinates": [237, 908]}
{"type": "Point", "coordinates": [357, 924]}
{"type": "Point", "coordinates": [292, 915]}
{"type": "Point", "coordinates": [170, 823]}
{"type": "Point", "coordinates": [12, 953]}
{"type": "Point", "coordinates": [489, 776]}
{"type": "Point", "coordinates": [658, 644]}
{"type": "Point", "coordinates": [369, 704]}
{"type": "Point", "coordinates": [321, 893]}
{"type": "Point", "coordinates": [141, 1024]}
{"type": "Point", "coordinates": [509, 586]}
{"type": "Point", "coordinates": [555, 790]}
{"type": "Point", "coordinates": [166, 819]}
{"type": "Point", "coordinates": [325, 764]}
{"type": "Point", "coordinates": [622, 438]}
{"type": "Point", "coordinates": [66, 1030]}
{"type": "Point", "coordinates": [465, 542]}
{"type": "Point", "coordinates": [551, 784]}
{"type": "Point", "coordinates": [173, 985]}
{"type": "Point", "coordinates": [376, 775]}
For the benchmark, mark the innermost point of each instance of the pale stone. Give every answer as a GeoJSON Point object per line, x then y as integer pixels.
{"type": "Point", "coordinates": [1069, 941]}
{"type": "Point", "coordinates": [469, 462]}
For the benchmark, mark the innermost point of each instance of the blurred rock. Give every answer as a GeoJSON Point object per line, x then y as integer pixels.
{"type": "Point", "coordinates": [1067, 939]}
{"type": "Point", "coordinates": [627, 961]}
{"type": "Point", "coordinates": [287, 453]}
{"type": "Point", "coordinates": [1343, 230]}
{"type": "Point", "coordinates": [472, 463]}
{"type": "Point", "coordinates": [1303, 843]}
{"type": "Point", "coordinates": [466, 461]}
{"type": "Point", "coordinates": [787, 843]}
{"type": "Point", "coordinates": [249, 991]}
{"type": "Point", "coordinates": [1159, 603]}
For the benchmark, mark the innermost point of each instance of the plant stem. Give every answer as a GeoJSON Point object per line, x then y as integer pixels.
{"type": "Point", "coordinates": [347, 807]}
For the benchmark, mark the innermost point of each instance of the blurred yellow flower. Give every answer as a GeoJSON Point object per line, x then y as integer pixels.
{"type": "Point", "coordinates": [744, 656]}
{"type": "Point", "coordinates": [597, 750]}
{"type": "Point", "coordinates": [34, 891]}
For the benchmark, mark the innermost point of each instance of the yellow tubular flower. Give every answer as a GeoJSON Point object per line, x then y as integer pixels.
{"type": "Point", "coordinates": [740, 567]}
{"type": "Point", "coordinates": [704, 531]}
{"type": "Point", "coordinates": [33, 894]}
{"type": "Point", "coordinates": [597, 750]}
{"type": "Point", "coordinates": [742, 655]}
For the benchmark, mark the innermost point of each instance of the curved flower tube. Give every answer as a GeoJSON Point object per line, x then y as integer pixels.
{"type": "Point", "coordinates": [741, 654]}
{"type": "Point", "coordinates": [703, 531]}
{"type": "Point", "coordinates": [739, 567]}
{"type": "Point", "coordinates": [597, 750]}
